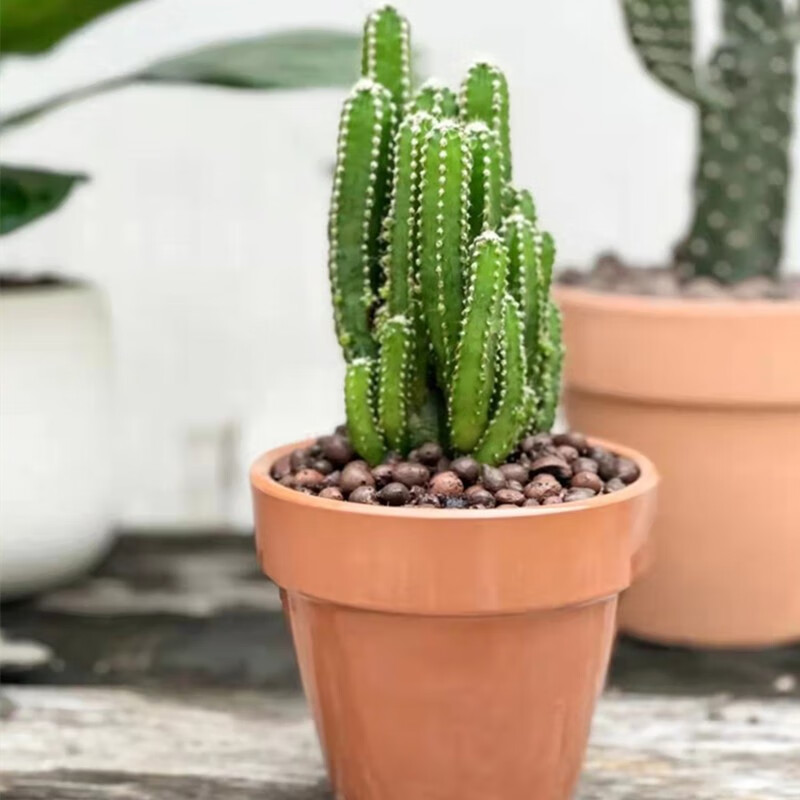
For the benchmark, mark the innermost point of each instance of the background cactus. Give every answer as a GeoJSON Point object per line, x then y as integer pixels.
{"type": "Point", "coordinates": [439, 273]}
{"type": "Point", "coordinates": [745, 100]}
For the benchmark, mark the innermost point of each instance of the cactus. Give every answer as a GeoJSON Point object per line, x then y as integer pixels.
{"type": "Point", "coordinates": [745, 101]}
{"type": "Point", "coordinates": [440, 275]}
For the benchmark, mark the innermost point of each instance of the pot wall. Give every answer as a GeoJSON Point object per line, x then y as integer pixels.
{"type": "Point", "coordinates": [711, 392]}
{"type": "Point", "coordinates": [54, 428]}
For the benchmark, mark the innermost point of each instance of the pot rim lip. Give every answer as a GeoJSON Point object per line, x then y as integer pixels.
{"type": "Point", "coordinates": [684, 307]}
{"type": "Point", "coordinates": [261, 480]}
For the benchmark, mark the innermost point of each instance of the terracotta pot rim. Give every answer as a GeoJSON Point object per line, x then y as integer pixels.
{"type": "Point", "coordinates": [262, 480]}
{"type": "Point", "coordinates": [674, 306]}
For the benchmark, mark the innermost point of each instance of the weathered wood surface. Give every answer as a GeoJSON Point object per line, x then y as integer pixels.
{"type": "Point", "coordinates": [89, 743]}
{"type": "Point", "coordinates": [171, 677]}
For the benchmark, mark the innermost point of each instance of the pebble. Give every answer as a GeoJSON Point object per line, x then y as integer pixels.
{"type": "Point", "coordinates": [515, 472]}
{"type": "Point", "coordinates": [411, 473]}
{"type": "Point", "coordinates": [354, 475]}
{"type": "Point", "coordinates": [584, 464]}
{"type": "Point", "coordinates": [480, 498]}
{"type": "Point", "coordinates": [394, 494]}
{"type": "Point", "coordinates": [429, 453]}
{"type": "Point", "coordinates": [493, 478]}
{"type": "Point", "coordinates": [555, 465]}
{"type": "Point", "coordinates": [332, 493]}
{"type": "Point", "coordinates": [567, 452]}
{"type": "Point", "coordinates": [467, 468]}
{"type": "Point", "coordinates": [509, 497]}
{"type": "Point", "coordinates": [383, 474]}
{"type": "Point", "coordinates": [309, 479]}
{"type": "Point", "coordinates": [587, 480]}
{"type": "Point", "coordinates": [614, 485]}
{"type": "Point", "coordinates": [447, 484]}
{"type": "Point", "coordinates": [337, 449]}
{"type": "Point", "coordinates": [627, 470]}
{"type": "Point", "coordinates": [363, 494]}
{"type": "Point", "coordinates": [578, 494]}
{"type": "Point", "coordinates": [299, 458]}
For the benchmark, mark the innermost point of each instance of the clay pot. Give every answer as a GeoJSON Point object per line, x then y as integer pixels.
{"type": "Point", "coordinates": [451, 655]}
{"type": "Point", "coordinates": [710, 390]}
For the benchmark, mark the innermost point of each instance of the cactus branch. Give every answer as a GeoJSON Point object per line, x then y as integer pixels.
{"type": "Point", "coordinates": [484, 96]}
{"type": "Point", "coordinates": [357, 205]}
{"type": "Point", "coordinates": [396, 343]}
{"type": "Point", "coordinates": [550, 381]}
{"type": "Point", "coordinates": [443, 238]}
{"type": "Point", "coordinates": [359, 402]}
{"type": "Point", "coordinates": [516, 397]}
{"type": "Point", "coordinates": [486, 179]}
{"type": "Point", "coordinates": [435, 98]}
{"type": "Point", "coordinates": [386, 53]}
{"type": "Point", "coordinates": [472, 383]}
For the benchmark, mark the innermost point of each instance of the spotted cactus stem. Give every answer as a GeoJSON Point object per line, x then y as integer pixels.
{"type": "Point", "coordinates": [357, 206]}
{"type": "Point", "coordinates": [440, 274]}
{"type": "Point", "coordinates": [486, 179]}
{"type": "Point", "coordinates": [484, 96]}
{"type": "Point", "coordinates": [516, 397]}
{"type": "Point", "coordinates": [472, 379]}
{"type": "Point", "coordinates": [436, 99]}
{"type": "Point", "coordinates": [443, 238]}
{"type": "Point", "coordinates": [745, 99]}
{"type": "Point", "coordinates": [386, 54]}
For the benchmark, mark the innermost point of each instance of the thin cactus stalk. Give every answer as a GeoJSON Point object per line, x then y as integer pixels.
{"type": "Point", "coordinates": [359, 396]}
{"type": "Point", "coordinates": [395, 362]}
{"type": "Point", "coordinates": [515, 397]}
{"type": "Point", "coordinates": [440, 275]}
{"type": "Point", "coordinates": [745, 99]}
{"type": "Point", "coordinates": [386, 54]}
{"type": "Point", "coordinates": [472, 380]}
{"type": "Point", "coordinates": [436, 99]}
{"type": "Point", "coordinates": [486, 179]}
{"type": "Point", "coordinates": [357, 207]}
{"type": "Point", "coordinates": [484, 96]}
{"type": "Point", "coordinates": [444, 238]}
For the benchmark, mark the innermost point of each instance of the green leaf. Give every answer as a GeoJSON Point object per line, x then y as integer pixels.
{"type": "Point", "coordinates": [285, 60]}
{"type": "Point", "coordinates": [27, 194]}
{"type": "Point", "coordinates": [33, 26]}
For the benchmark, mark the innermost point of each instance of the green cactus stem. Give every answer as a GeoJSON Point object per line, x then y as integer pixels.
{"type": "Point", "coordinates": [745, 100]}
{"type": "Point", "coordinates": [359, 391]}
{"type": "Point", "coordinates": [386, 53]}
{"type": "Point", "coordinates": [484, 96]}
{"type": "Point", "coordinates": [435, 98]}
{"type": "Point", "coordinates": [486, 179]}
{"type": "Point", "coordinates": [357, 206]}
{"type": "Point", "coordinates": [396, 343]}
{"type": "Point", "coordinates": [516, 398]}
{"type": "Point", "coordinates": [443, 238]}
{"type": "Point", "coordinates": [552, 363]}
{"type": "Point", "coordinates": [472, 378]}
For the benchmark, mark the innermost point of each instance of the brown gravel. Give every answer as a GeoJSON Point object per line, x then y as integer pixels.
{"type": "Point", "coordinates": [544, 470]}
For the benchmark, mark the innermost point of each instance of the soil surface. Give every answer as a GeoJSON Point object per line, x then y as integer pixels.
{"type": "Point", "coordinates": [546, 469]}
{"type": "Point", "coordinates": [611, 274]}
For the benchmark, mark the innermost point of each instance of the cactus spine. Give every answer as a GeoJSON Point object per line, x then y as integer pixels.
{"type": "Point", "coordinates": [439, 273]}
{"type": "Point", "coordinates": [745, 102]}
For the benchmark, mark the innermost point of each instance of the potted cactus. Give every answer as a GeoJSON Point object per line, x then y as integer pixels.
{"type": "Point", "coordinates": [710, 382]}
{"type": "Point", "coordinates": [449, 569]}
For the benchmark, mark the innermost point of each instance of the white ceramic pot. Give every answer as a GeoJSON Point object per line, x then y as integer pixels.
{"type": "Point", "coordinates": [55, 381]}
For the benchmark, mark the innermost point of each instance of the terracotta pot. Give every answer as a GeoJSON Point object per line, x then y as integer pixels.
{"type": "Point", "coordinates": [451, 655]}
{"type": "Point", "coordinates": [711, 392]}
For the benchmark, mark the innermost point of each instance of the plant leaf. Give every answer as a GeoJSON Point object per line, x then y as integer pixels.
{"type": "Point", "coordinates": [284, 60]}
{"type": "Point", "coordinates": [27, 193]}
{"type": "Point", "coordinates": [33, 26]}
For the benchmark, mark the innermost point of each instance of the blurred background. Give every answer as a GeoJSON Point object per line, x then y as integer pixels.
{"type": "Point", "coordinates": [204, 219]}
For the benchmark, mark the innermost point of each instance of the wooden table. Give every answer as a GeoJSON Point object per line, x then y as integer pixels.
{"type": "Point", "coordinates": [172, 678]}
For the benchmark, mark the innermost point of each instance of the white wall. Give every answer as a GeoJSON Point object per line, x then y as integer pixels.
{"type": "Point", "coordinates": [205, 219]}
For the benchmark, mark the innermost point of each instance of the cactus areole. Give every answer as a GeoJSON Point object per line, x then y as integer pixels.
{"type": "Point", "coordinates": [440, 274]}
{"type": "Point", "coordinates": [745, 98]}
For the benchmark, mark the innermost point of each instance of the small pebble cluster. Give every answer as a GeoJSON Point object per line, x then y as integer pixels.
{"type": "Point", "coordinates": [610, 274]}
{"type": "Point", "coordinates": [546, 469]}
